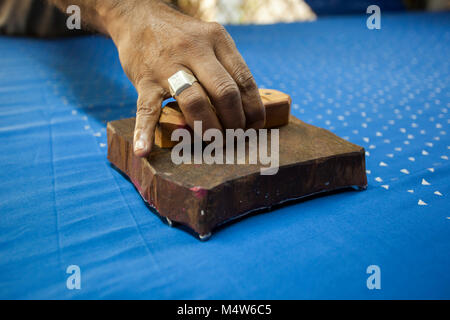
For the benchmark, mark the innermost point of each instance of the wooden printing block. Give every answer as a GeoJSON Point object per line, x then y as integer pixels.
{"type": "Point", "coordinates": [171, 119]}
{"type": "Point", "coordinates": [276, 103]}
{"type": "Point", "coordinates": [203, 196]}
{"type": "Point", "coordinates": [278, 107]}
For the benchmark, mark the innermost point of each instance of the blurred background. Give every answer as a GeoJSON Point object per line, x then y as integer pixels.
{"type": "Point", "coordinates": [273, 11]}
{"type": "Point", "coordinates": [40, 18]}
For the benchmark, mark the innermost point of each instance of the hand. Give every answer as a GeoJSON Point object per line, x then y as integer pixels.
{"type": "Point", "coordinates": [155, 41]}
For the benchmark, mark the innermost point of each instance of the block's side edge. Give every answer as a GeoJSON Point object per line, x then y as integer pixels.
{"type": "Point", "coordinates": [169, 199]}
{"type": "Point", "coordinates": [113, 142]}
{"type": "Point", "coordinates": [238, 198]}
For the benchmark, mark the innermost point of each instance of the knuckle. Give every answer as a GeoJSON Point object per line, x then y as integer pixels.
{"type": "Point", "coordinates": [217, 29]}
{"type": "Point", "coordinates": [147, 109]}
{"type": "Point", "coordinates": [245, 81]}
{"type": "Point", "coordinates": [193, 101]}
{"type": "Point", "coordinates": [227, 90]}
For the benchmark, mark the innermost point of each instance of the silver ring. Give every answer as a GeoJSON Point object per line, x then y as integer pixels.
{"type": "Point", "coordinates": [180, 81]}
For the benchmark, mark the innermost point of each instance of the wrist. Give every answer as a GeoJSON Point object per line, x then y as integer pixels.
{"type": "Point", "coordinates": [118, 18]}
{"type": "Point", "coordinates": [108, 13]}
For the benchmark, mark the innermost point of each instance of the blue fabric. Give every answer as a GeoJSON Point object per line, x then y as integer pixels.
{"type": "Point", "coordinates": [62, 204]}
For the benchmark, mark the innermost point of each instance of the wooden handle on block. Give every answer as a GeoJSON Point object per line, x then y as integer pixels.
{"type": "Point", "coordinates": [276, 103]}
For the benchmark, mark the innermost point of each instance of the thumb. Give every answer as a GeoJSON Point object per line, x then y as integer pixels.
{"type": "Point", "coordinates": [148, 111]}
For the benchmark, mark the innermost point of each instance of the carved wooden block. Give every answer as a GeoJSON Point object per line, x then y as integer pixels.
{"type": "Point", "coordinates": [203, 196]}
{"type": "Point", "coordinates": [171, 119]}
{"type": "Point", "coordinates": [276, 103]}
{"type": "Point", "coordinates": [278, 107]}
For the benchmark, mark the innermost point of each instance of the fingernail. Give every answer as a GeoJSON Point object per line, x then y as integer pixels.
{"type": "Point", "coordinates": [139, 145]}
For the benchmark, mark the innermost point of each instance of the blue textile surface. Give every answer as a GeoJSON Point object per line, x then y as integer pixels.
{"type": "Point", "coordinates": [62, 204]}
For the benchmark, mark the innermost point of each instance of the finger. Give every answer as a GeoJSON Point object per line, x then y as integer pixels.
{"type": "Point", "coordinates": [148, 111]}
{"type": "Point", "coordinates": [195, 105]}
{"type": "Point", "coordinates": [228, 55]}
{"type": "Point", "coordinates": [222, 90]}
